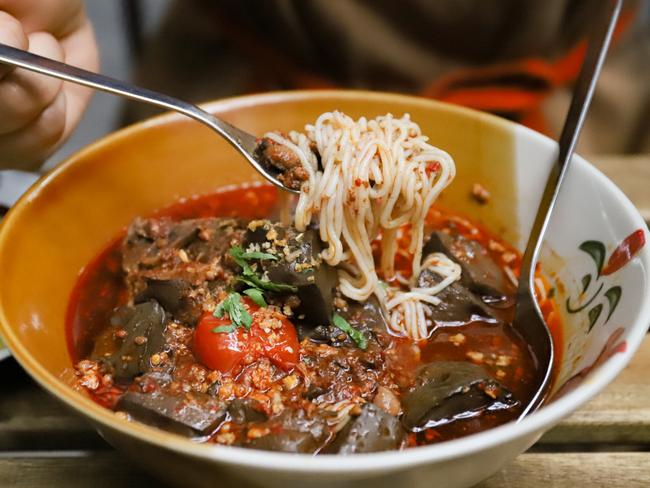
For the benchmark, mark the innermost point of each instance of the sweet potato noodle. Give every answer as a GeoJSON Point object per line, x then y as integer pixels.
{"type": "Point", "coordinates": [369, 178]}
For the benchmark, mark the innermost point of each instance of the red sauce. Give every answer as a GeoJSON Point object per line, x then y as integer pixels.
{"type": "Point", "coordinates": [87, 315]}
{"type": "Point", "coordinates": [100, 290]}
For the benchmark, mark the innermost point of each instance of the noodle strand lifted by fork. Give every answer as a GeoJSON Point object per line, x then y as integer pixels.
{"type": "Point", "coordinates": [376, 176]}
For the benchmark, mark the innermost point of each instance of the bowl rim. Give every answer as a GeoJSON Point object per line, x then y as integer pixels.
{"type": "Point", "coordinates": [253, 459]}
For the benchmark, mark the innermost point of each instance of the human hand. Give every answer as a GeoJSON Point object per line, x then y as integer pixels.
{"type": "Point", "coordinates": [38, 113]}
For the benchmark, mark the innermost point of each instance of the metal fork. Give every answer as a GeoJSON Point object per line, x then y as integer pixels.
{"type": "Point", "coordinates": [528, 318]}
{"type": "Point", "coordinates": [244, 142]}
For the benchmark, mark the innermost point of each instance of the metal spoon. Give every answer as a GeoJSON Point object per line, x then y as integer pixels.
{"type": "Point", "coordinates": [244, 142]}
{"type": "Point", "coordinates": [528, 318]}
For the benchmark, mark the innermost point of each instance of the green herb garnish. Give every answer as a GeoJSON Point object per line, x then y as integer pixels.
{"type": "Point", "coordinates": [239, 254]}
{"type": "Point", "coordinates": [256, 295]}
{"type": "Point", "coordinates": [224, 329]}
{"type": "Point", "coordinates": [340, 323]}
{"type": "Point", "coordinates": [259, 255]}
{"type": "Point", "coordinates": [251, 278]}
{"type": "Point", "coordinates": [233, 306]}
{"type": "Point", "coordinates": [257, 282]}
{"type": "Point", "coordinates": [248, 282]}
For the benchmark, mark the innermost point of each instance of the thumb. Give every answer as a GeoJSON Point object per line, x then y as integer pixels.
{"type": "Point", "coordinates": [11, 34]}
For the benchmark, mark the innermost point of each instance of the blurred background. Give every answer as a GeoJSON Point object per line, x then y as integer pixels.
{"type": "Point", "coordinates": [120, 29]}
{"type": "Point", "coordinates": [517, 60]}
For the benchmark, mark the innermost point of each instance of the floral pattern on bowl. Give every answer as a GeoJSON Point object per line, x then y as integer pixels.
{"type": "Point", "coordinates": [622, 255]}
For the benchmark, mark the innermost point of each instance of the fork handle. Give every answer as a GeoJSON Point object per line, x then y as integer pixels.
{"type": "Point", "coordinates": [49, 67]}
{"type": "Point", "coordinates": [242, 141]}
{"type": "Point", "coordinates": [39, 64]}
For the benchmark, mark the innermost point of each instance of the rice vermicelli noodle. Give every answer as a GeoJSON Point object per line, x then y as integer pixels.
{"type": "Point", "coordinates": [369, 178]}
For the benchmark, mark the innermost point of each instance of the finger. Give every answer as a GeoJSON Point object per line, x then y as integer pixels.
{"type": "Point", "coordinates": [11, 34]}
{"type": "Point", "coordinates": [59, 17]}
{"type": "Point", "coordinates": [23, 94]}
{"type": "Point", "coordinates": [28, 147]}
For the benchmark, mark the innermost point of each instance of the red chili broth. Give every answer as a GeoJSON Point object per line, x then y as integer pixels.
{"type": "Point", "coordinates": [100, 290]}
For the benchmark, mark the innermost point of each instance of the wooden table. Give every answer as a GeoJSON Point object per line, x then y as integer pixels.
{"type": "Point", "coordinates": [605, 444]}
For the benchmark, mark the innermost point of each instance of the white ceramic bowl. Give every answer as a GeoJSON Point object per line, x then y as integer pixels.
{"type": "Point", "coordinates": [91, 196]}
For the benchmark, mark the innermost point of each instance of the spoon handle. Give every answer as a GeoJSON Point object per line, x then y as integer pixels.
{"type": "Point", "coordinates": [583, 92]}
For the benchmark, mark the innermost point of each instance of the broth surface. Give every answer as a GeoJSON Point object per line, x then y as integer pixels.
{"type": "Point", "coordinates": [347, 372]}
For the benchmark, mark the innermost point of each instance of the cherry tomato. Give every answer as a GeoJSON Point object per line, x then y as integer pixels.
{"type": "Point", "coordinates": [229, 352]}
{"type": "Point", "coordinates": [220, 351]}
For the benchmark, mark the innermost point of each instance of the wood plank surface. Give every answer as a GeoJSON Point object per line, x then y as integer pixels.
{"type": "Point", "coordinates": [96, 469]}
{"type": "Point", "coordinates": [32, 419]}
{"type": "Point", "coordinates": [563, 470]}
{"type": "Point", "coordinates": [620, 414]}
{"type": "Point", "coordinates": [570, 470]}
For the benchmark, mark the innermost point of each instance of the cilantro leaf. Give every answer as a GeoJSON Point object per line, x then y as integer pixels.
{"type": "Point", "coordinates": [342, 324]}
{"type": "Point", "coordinates": [247, 281]}
{"type": "Point", "coordinates": [219, 311]}
{"type": "Point", "coordinates": [251, 278]}
{"type": "Point", "coordinates": [238, 252]}
{"type": "Point", "coordinates": [233, 306]}
{"type": "Point", "coordinates": [256, 295]}
{"type": "Point", "coordinates": [224, 329]}
{"type": "Point", "coordinates": [255, 281]}
{"type": "Point", "coordinates": [259, 255]}
{"type": "Point", "coordinates": [271, 286]}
